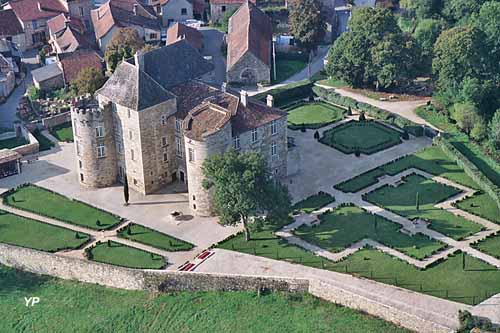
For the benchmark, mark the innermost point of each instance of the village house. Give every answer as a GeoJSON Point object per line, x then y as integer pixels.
{"type": "Point", "coordinates": [67, 34]}
{"type": "Point", "coordinates": [179, 31]}
{"type": "Point", "coordinates": [7, 77]}
{"type": "Point", "coordinates": [176, 11]}
{"type": "Point", "coordinates": [11, 29]}
{"type": "Point", "coordinates": [219, 8]}
{"type": "Point", "coordinates": [116, 14]}
{"type": "Point", "coordinates": [249, 46]}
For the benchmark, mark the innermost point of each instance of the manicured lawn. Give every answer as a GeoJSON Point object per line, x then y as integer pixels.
{"type": "Point", "coordinates": [333, 82]}
{"type": "Point", "coordinates": [313, 115]}
{"type": "Point", "coordinates": [45, 143]}
{"type": "Point", "coordinates": [44, 202]}
{"type": "Point", "coordinates": [490, 245]}
{"type": "Point", "coordinates": [313, 202]}
{"type": "Point", "coordinates": [154, 238]}
{"type": "Point", "coordinates": [402, 201]}
{"type": "Point", "coordinates": [368, 137]}
{"type": "Point", "coordinates": [481, 205]}
{"type": "Point", "coordinates": [92, 308]}
{"type": "Point", "coordinates": [63, 132]}
{"type": "Point", "coordinates": [12, 143]}
{"type": "Point", "coordinates": [432, 160]}
{"type": "Point", "coordinates": [286, 68]}
{"type": "Point", "coordinates": [348, 225]}
{"type": "Point", "coordinates": [21, 231]}
{"type": "Point", "coordinates": [126, 256]}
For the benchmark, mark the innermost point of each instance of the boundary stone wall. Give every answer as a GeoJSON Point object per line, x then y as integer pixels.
{"type": "Point", "coordinates": [57, 119]}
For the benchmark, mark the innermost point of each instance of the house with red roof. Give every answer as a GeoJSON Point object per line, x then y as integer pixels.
{"type": "Point", "coordinates": [67, 34]}
{"type": "Point", "coordinates": [181, 31]}
{"type": "Point", "coordinates": [219, 8]}
{"type": "Point", "coordinates": [10, 28]}
{"type": "Point", "coordinates": [249, 46]}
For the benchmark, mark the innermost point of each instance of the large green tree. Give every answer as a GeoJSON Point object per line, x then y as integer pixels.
{"type": "Point", "coordinates": [422, 8]}
{"type": "Point", "coordinates": [375, 52]}
{"type": "Point", "coordinates": [467, 117]}
{"type": "Point", "coordinates": [307, 25]}
{"type": "Point", "coordinates": [123, 45]}
{"type": "Point", "coordinates": [242, 188]}
{"type": "Point", "coordinates": [88, 81]}
{"type": "Point", "coordinates": [461, 10]}
{"type": "Point", "coordinates": [426, 33]}
{"type": "Point", "coordinates": [494, 132]}
{"type": "Point", "coordinates": [488, 21]}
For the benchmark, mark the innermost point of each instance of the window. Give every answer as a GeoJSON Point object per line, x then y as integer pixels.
{"type": "Point", "coordinates": [191, 154]}
{"type": "Point", "coordinates": [274, 127]}
{"type": "Point", "coordinates": [194, 198]}
{"type": "Point", "coordinates": [77, 148]}
{"type": "Point", "coordinates": [178, 147]}
{"type": "Point", "coordinates": [99, 131]}
{"type": "Point", "coordinates": [255, 136]}
{"type": "Point", "coordinates": [194, 206]}
{"type": "Point", "coordinates": [165, 157]}
{"type": "Point", "coordinates": [81, 177]}
{"type": "Point", "coordinates": [34, 23]}
{"type": "Point", "coordinates": [120, 148]}
{"type": "Point", "coordinates": [153, 36]}
{"type": "Point", "coordinates": [113, 107]}
{"type": "Point", "coordinates": [80, 164]}
{"type": "Point", "coordinates": [132, 157]}
{"type": "Point", "coordinates": [276, 171]}
{"type": "Point", "coordinates": [100, 151]}
{"type": "Point", "coordinates": [223, 9]}
{"type": "Point", "coordinates": [236, 142]}
{"type": "Point", "coordinates": [184, 11]}
{"type": "Point", "coordinates": [128, 113]}
{"type": "Point", "coordinates": [81, 11]}
{"type": "Point", "coordinates": [274, 148]}
{"type": "Point", "coordinates": [178, 125]}
{"type": "Point", "coordinates": [135, 181]}
{"type": "Point", "coordinates": [163, 120]}
{"type": "Point", "coordinates": [130, 135]}
{"type": "Point", "coordinates": [164, 141]}
{"type": "Point", "coordinates": [75, 127]}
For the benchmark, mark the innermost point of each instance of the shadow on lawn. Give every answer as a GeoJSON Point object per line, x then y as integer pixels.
{"type": "Point", "coordinates": [19, 282]}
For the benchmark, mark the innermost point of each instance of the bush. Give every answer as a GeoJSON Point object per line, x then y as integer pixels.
{"type": "Point", "coordinates": [362, 116]}
{"type": "Point", "coordinates": [316, 135]}
{"type": "Point", "coordinates": [357, 153]}
{"type": "Point", "coordinates": [405, 135]}
{"type": "Point", "coordinates": [289, 93]}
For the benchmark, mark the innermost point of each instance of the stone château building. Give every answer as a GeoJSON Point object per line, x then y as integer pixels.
{"type": "Point", "coordinates": [157, 119]}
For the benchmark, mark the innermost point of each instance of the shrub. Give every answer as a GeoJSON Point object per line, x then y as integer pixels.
{"type": "Point", "coordinates": [357, 153]}
{"type": "Point", "coordinates": [362, 116]}
{"type": "Point", "coordinates": [405, 135]}
{"type": "Point", "coordinates": [316, 135]}
{"type": "Point", "coordinates": [289, 93]}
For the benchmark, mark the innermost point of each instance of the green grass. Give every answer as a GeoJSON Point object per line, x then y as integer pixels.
{"type": "Point", "coordinates": [21, 231]}
{"type": "Point", "coordinates": [432, 160]}
{"type": "Point", "coordinates": [347, 225]}
{"type": "Point", "coordinates": [154, 238]}
{"type": "Point", "coordinates": [92, 308]}
{"type": "Point", "coordinates": [490, 245]}
{"type": "Point", "coordinates": [44, 202]}
{"type": "Point", "coordinates": [314, 115]}
{"type": "Point", "coordinates": [481, 205]}
{"type": "Point", "coordinates": [45, 143]}
{"type": "Point", "coordinates": [12, 143]}
{"type": "Point", "coordinates": [402, 201]}
{"type": "Point", "coordinates": [63, 132]}
{"type": "Point", "coordinates": [313, 202]}
{"type": "Point", "coordinates": [286, 68]}
{"type": "Point", "coordinates": [333, 82]}
{"type": "Point", "coordinates": [126, 256]}
{"type": "Point", "coordinates": [436, 118]}
{"type": "Point", "coordinates": [368, 137]}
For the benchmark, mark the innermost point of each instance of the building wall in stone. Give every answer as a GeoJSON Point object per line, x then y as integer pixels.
{"type": "Point", "coordinates": [200, 201]}
{"type": "Point", "coordinates": [172, 11]}
{"type": "Point", "coordinates": [94, 171]}
{"type": "Point", "coordinates": [217, 13]}
{"type": "Point", "coordinates": [80, 9]}
{"type": "Point", "coordinates": [248, 70]}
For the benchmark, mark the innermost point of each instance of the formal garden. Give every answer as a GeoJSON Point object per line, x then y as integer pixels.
{"type": "Point", "coordinates": [313, 115]}
{"type": "Point", "coordinates": [63, 132]}
{"type": "Point", "coordinates": [366, 137]}
{"type": "Point", "coordinates": [122, 255]}
{"type": "Point", "coordinates": [147, 236]}
{"type": "Point", "coordinates": [113, 310]}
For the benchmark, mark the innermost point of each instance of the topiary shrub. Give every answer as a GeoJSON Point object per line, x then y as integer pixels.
{"type": "Point", "coordinates": [362, 116]}
{"type": "Point", "coordinates": [316, 135]}
{"type": "Point", "coordinates": [303, 128]}
{"type": "Point", "coordinates": [405, 135]}
{"type": "Point", "coordinates": [357, 153]}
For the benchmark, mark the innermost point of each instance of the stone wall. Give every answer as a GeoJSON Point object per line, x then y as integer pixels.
{"type": "Point", "coordinates": [248, 70]}
{"type": "Point", "coordinates": [58, 119]}
{"type": "Point", "coordinates": [32, 147]}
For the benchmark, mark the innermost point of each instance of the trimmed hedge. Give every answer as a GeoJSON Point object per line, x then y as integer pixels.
{"type": "Point", "coordinates": [470, 169]}
{"type": "Point", "coordinates": [373, 111]}
{"type": "Point", "coordinates": [289, 93]}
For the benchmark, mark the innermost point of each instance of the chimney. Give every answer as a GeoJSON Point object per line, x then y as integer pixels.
{"type": "Point", "coordinates": [139, 60]}
{"type": "Point", "coordinates": [223, 87]}
{"type": "Point", "coordinates": [270, 101]}
{"type": "Point", "coordinates": [135, 8]}
{"type": "Point", "coordinates": [243, 97]}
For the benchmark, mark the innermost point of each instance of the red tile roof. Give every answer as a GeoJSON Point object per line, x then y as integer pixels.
{"type": "Point", "coordinates": [180, 31]}
{"type": "Point", "coordinates": [9, 24]}
{"type": "Point", "coordinates": [70, 40]}
{"type": "Point", "coordinates": [29, 10]}
{"type": "Point", "coordinates": [58, 23]}
{"type": "Point", "coordinates": [73, 63]}
{"type": "Point", "coordinates": [250, 31]}
{"type": "Point", "coordinates": [231, 2]}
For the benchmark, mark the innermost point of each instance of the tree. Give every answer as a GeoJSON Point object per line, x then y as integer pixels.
{"type": "Point", "coordinates": [422, 8]}
{"type": "Point", "coordinates": [461, 10]}
{"type": "Point", "coordinates": [88, 81]}
{"type": "Point", "coordinates": [426, 34]}
{"type": "Point", "coordinates": [306, 23]}
{"type": "Point", "coordinates": [242, 188]}
{"type": "Point", "coordinates": [224, 25]}
{"type": "Point", "coordinates": [124, 43]}
{"type": "Point", "coordinates": [126, 194]}
{"type": "Point", "coordinates": [494, 131]}
{"type": "Point", "coordinates": [466, 116]}
{"type": "Point", "coordinates": [488, 22]}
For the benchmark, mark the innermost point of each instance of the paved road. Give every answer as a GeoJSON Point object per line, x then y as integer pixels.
{"type": "Point", "coordinates": [212, 47]}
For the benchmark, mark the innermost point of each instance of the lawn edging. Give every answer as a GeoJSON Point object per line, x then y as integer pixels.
{"type": "Point", "coordinates": [122, 233]}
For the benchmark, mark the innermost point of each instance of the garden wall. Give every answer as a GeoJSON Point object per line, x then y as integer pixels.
{"type": "Point", "coordinates": [58, 119]}
{"type": "Point", "coordinates": [118, 277]}
{"type": "Point", "coordinates": [32, 147]}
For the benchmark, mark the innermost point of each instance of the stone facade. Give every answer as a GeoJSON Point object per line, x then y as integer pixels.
{"type": "Point", "coordinates": [249, 70]}
{"type": "Point", "coordinates": [217, 11]}
{"type": "Point", "coordinates": [176, 11]}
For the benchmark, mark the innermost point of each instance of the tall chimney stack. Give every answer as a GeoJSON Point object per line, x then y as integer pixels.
{"type": "Point", "coordinates": [139, 59]}
{"type": "Point", "coordinates": [270, 100]}
{"type": "Point", "coordinates": [135, 8]}
{"type": "Point", "coordinates": [244, 97]}
{"type": "Point", "coordinates": [223, 87]}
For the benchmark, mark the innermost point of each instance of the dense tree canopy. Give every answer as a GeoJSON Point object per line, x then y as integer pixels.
{"type": "Point", "coordinates": [375, 52]}
{"type": "Point", "coordinates": [423, 8]}
{"type": "Point", "coordinates": [461, 10]}
{"type": "Point", "coordinates": [88, 81]}
{"type": "Point", "coordinates": [242, 188]}
{"type": "Point", "coordinates": [426, 33]}
{"type": "Point", "coordinates": [123, 45]}
{"type": "Point", "coordinates": [306, 22]}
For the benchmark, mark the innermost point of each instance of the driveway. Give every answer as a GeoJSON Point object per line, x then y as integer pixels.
{"type": "Point", "coordinates": [212, 47]}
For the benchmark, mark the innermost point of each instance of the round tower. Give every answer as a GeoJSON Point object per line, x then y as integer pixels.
{"type": "Point", "coordinates": [94, 142]}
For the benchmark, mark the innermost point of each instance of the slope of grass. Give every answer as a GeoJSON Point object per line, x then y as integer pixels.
{"type": "Point", "coordinates": [63, 132]}
{"type": "Point", "coordinates": [481, 205]}
{"type": "Point", "coordinates": [47, 203]}
{"type": "Point", "coordinates": [91, 308]}
{"type": "Point", "coordinates": [126, 256]}
{"type": "Point", "coordinates": [141, 234]}
{"type": "Point", "coordinates": [402, 201]}
{"type": "Point", "coordinates": [286, 68]}
{"type": "Point", "coordinates": [313, 115]}
{"type": "Point", "coordinates": [21, 231]}
{"type": "Point", "coordinates": [314, 202]}
{"type": "Point", "coordinates": [348, 225]}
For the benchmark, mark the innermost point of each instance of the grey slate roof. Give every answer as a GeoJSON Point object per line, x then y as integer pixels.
{"type": "Point", "coordinates": [46, 72]}
{"type": "Point", "coordinates": [175, 64]}
{"type": "Point", "coordinates": [134, 89]}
